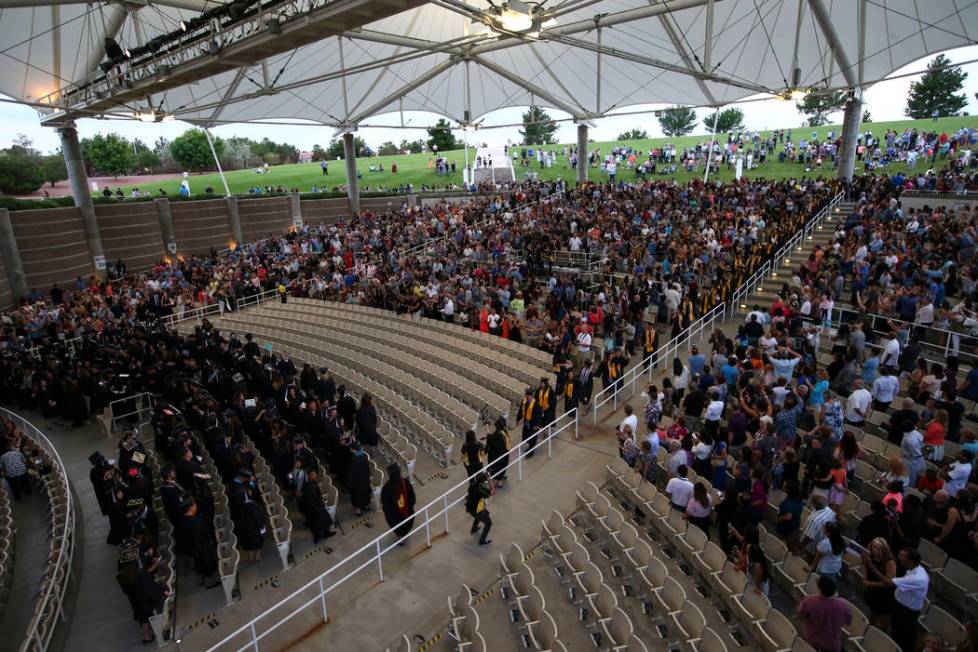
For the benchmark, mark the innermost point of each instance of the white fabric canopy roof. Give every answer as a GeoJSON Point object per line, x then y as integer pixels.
{"type": "Point", "coordinates": [642, 53]}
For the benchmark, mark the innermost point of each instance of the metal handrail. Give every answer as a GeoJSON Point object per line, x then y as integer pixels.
{"type": "Point", "coordinates": [55, 591]}
{"type": "Point", "coordinates": [433, 510]}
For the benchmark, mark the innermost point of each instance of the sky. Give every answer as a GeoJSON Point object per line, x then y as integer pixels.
{"type": "Point", "coordinates": [885, 101]}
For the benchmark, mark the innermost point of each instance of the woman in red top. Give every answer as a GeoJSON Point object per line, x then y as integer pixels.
{"type": "Point", "coordinates": [934, 436]}
{"type": "Point", "coordinates": [484, 319]}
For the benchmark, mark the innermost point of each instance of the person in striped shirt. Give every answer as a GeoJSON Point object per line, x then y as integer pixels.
{"type": "Point", "coordinates": [814, 528]}
{"type": "Point", "coordinates": [13, 465]}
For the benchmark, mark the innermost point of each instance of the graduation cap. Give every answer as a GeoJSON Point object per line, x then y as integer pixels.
{"type": "Point", "coordinates": [129, 444]}
{"type": "Point", "coordinates": [97, 459]}
{"type": "Point", "coordinates": [245, 472]}
{"type": "Point", "coordinates": [135, 503]}
{"type": "Point", "coordinates": [138, 457]}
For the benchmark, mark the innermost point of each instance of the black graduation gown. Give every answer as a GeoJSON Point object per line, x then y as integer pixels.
{"type": "Point", "coordinates": [96, 475]}
{"type": "Point", "coordinates": [144, 593]}
{"type": "Point", "coordinates": [497, 454]}
{"type": "Point", "coordinates": [367, 426]}
{"type": "Point", "coordinates": [360, 492]}
{"type": "Point", "coordinates": [314, 510]}
{"type": "Point", "coordinates": [117, 520]}
{"type": "Point", "coordinates": [247, 517]}
{"type": "Point", "coordinates": [200, 538]}
{"type": "Point", "coordinates": [393, 516]}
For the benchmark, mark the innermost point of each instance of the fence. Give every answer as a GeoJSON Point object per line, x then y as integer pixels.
{"type": "Point", "coordinates": [374, 551]}
{"type": "Point", "coordinates": [50, 603]}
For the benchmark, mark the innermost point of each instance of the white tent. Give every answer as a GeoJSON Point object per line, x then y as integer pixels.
{"type": "Point", "coordinates": [460, 59]}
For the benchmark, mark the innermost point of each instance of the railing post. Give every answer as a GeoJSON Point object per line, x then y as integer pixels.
{"type": "Point", "coordinates": [322, 596]}
{"type": "Point", "coordinates": [576, 421]}
{"type": "Point", "coordinates": [550, 436]}
{"type": "Point", "coordinates": [445, 510]}
{"type": "Point", "coordinates": [380, 562]}
{"type": "Point", "coordinates": [427, 528]}
{"type": "Point", "coordinates": [254, 636]}
{"type": "Point", "coordinates": [519, 466]}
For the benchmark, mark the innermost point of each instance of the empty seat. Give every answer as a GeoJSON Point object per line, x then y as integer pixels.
{"type": "Point", "coordinates": [510, 563]}
{"type": "Point", "coordinates": [875, 640]}
{"type": "Point", "coordinates": [711, 560]}
{"type": "Point", "coordinates": [692, 541]}
{"type": "Point", "coordinates": [728, 583]}
{"type": "Point", "coordinates": [792, 574]}
{"type": "Point", "coordinates": [958, 584]}
{"type": "Point", "coordinates": [618, 629]}
{"type": "Point", "coordinates": [751, 607]}
{"type": "Point", "coordinates": [669, 598]}
{"type": "Point", "coordinates": [776, 632]}
{"type": "Point", "coordinates": [944, 625]}
{"type": "Point", "coordinates": [931, 556]}
{"type": "Point", "coordinates": [689, 623]}
{"type": "Point", "coordinates": [709, 642]}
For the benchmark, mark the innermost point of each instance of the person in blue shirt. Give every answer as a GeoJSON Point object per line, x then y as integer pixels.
{"type": "Point", "coordinates": [696, 361]}
{"type": "Point", "coordinates": [730, 372]}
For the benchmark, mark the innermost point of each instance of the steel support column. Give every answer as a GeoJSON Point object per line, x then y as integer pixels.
{"type": "Point", "coordinates": [352, 183]}
{"type": "Point", "coordinates": [10, 257]}
{"type": "Point", "coordinates": [78, 180]}
{"type": "Point", "coordinates": [582, 153]}
{"type": "Point", "coordinates": [850, 132]}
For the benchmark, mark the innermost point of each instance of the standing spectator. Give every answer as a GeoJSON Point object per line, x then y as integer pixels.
{"type": "Point", "coordinates": [825, 615]}
{"type": "Point", "coordinates": [909, 595]}
{"type": "Point", "coordinates": [530, 415]}
{"type": "Point", "coordinates": [912, 453]}
{"type": "Point", "coordinates": [680, 489]}
{"type": "Point", "coordinates": [858, 405]}
{"type": "Point", "coordinates": [699, 508]}
{"type": "Point", "coordinates": [877, 593]}
{"type": "Point", "coordinates": [828, 552]}
{"type": "Point", "coordinates": [13, 465]}
{"type": "Point", "coordinates": [814, 528]}
{"type": "Point", "coordinates": [497, 451]}
{"type": "Point", "coordinates": [958, 473]}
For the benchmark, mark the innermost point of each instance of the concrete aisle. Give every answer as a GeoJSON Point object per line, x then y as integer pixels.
{"type": "Point", "coordinates": [30, 557]}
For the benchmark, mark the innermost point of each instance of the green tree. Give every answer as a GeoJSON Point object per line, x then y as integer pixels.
{"type": "Point", "coordinates": [728, 120]}
{"type": "Point", "coordinates": [413, 146]}
{"type": "Point", "coordinates": [192, 152]}
{"type": "Point", "coordinates": [538, 127]}
{"type": "Point", "coordinates": [677, 121]}
{"type": "Point", "coordinates": [633, 134]}
{"type": "Point", "coordinates": [318, 153]}
{"type": "Point", "coordinates": [53, 168]}
{"type": "Point", "coordinates": [818, 106]}
{"type": "Point", "coordinates": [147, 159]}
{"type": "Point", "coordinates": [441, 136]}
{"type": "Point", "coordinates": [937, 90]}
{"type": "Point", "coordinates": [108, 154]}
{"type": "Point", "coordinates": [20, 172]}
{"type": "Point", "coordinates": [867, 117]}
{"type": "Point", "coordinates": [335, 149]}
{"type": "Point", "coordinates": [387, 149]}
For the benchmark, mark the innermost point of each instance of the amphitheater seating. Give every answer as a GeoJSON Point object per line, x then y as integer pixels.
{"type": "Point", "coordinates": [449, 410]}
{"type": "Point", "coordinates": [500, 373]}
{"type": "Point", "coordinates": [539, 358]}
{"type": "Point", "coordinates": [431, 435]}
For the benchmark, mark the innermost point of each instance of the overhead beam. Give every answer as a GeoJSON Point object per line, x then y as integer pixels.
{"type": "Point", "coordinates": [228, 94]}
{"type": "Point", "coordinates": [862, 42]}
{"type": "Point", "coordinates": [708, 39]}
{"type": "Point", "coordinates": [403, 90]}
{"type": "Point", "coordinates": [190, 5]}
{"type": "Point", "coordinates": [832, 37]}
{"type": "Point", "coordinates": [657, 63]}
{"type": "Point", "coordinates": [531, 87]}
{"type": "Point", "coordinates": [684, 54]}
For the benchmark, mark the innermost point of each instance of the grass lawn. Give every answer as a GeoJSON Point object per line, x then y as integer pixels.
{"type": "Point", "coordinates": [413, 168]}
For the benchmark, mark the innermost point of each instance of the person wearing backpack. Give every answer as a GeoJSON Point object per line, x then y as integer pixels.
{"type": "Point", "coordinates": [476, 504]}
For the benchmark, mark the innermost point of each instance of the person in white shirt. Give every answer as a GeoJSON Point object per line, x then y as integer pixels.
{"type": "Point", "coordinates": [858, 405]}
{"type": "Point", "coordinates": [910, 591]}
{"type": "Point", "coordinates": [680, 489]}
{"type": "Point", "coordinates": [448, 310]}
{"type": "Point", "coordinates": [630, 420]}
{"type": "Point", "coordinates": [957, 474]}
{"type": "Point", "coordinates": [891, 352]}
{"type": "Point", "coordinates": [885, 389]}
